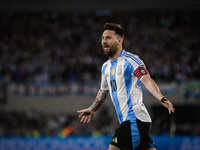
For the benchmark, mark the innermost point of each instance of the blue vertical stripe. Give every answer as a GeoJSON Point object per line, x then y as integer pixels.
{"type": "Point", "coordinates": [135, 134]}
{"type": "Point", "coordinates": [128, 68]}
{"type": "Point", "coordinates": [104, 69]}
{"type": "Point", "coordinates": [128, 83]}
{"type": "Point", "coordinates": [114, 93]}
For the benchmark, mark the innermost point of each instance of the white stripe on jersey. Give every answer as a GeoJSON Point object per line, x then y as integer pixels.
{"type": "Point", "coordinates": [125, 88]}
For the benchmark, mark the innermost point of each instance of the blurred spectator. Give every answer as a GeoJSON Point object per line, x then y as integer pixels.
{"type": "Point", "coordinates": [52, 47]}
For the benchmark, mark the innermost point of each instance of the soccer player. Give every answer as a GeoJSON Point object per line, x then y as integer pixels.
{"type": "Point", "coordinates": [121, 76]}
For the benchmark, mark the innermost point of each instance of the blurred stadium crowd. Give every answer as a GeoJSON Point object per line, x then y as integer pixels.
{"type": "Point", "coordinates": [60, 48]}
{"type": "Point", "coordinates": [37, 124]}
{"type": "Point", "coordinates": [51, 47]}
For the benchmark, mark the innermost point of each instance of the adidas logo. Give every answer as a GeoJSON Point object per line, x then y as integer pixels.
{"type": "Point", "coordinates": [114, 140]}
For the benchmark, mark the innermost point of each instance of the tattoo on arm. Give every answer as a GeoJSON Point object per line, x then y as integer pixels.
{"type": "Point", "coordinates": [100, 99]}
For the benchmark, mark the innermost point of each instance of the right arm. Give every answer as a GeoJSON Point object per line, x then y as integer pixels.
{"type": "Point", "coordinates": [100, 99]}
{"type": "Point", "coordinates": [88, 113]}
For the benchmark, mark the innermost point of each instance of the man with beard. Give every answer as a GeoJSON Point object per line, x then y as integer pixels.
{"type": "Point", "coordinates": [121, 76]}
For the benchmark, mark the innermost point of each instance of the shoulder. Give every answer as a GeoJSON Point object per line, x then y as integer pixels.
{"type": "Point", "coordinates": [133, 59]}
{"type": "Point", "coordinates": [105, 64]}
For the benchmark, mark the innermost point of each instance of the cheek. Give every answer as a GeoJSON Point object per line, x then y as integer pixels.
{"type": "Point", "coordinates": [115, 43]}
{"type": "Point", "coordinates": [110, 42]}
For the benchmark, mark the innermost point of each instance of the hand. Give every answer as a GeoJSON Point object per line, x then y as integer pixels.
{"type": "Point", "coordinates": [165, 102]}
{"type": "Point", "coordinates": [86, 114]}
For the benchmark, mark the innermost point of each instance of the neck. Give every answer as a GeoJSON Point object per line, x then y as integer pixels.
{"type": "Point", "coordinates": [116, 55]}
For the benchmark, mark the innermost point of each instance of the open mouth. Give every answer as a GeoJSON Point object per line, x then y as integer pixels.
{"type": "Point", "coordinates": [106, 46]}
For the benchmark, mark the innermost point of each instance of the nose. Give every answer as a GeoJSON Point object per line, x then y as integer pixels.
{"type": "Point", "coordinates": [103, 41]}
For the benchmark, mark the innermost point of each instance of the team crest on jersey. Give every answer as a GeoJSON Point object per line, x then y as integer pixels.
{"type": "Point", "coordinates": [119, 71]}
{"type": "Point", "coordinates": [113, 72]}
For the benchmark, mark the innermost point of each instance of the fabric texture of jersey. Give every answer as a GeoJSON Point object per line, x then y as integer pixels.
{"type": "Point", "coordinates": [119, 78]}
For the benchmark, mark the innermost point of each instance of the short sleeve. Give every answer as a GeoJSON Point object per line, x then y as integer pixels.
{"type": "Point", "coordinates": [137, 66]}
{"type": "Point", "coordinates": [104, 84]}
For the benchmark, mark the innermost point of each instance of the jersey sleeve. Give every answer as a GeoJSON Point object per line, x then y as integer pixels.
{"type": "Point", "coordinates": [104, 84]}
{"type": "Point", "coordinates": [138, 67]}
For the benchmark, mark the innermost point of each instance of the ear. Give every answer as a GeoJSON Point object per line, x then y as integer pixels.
{"type": "Point", "coordinates": [120, 39]}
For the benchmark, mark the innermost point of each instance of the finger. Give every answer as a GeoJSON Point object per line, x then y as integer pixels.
{"type": "Point", "coordinates": [170, 104]}
{"type": "Point", "coordinates": [171, 109]}
{"type": "Point", "coordinates": [82, 119]}
{"type": "Point", "coordinates": [80, 115]}
{"type": "Point", "coordinates": [79, 111]}
{"type": "Point", "coordinates": [88, 120]}
{"type": "Point", "coordinates": [85, 120]}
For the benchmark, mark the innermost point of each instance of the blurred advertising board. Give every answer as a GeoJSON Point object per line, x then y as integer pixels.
{"type": "Point", "coordinates": [90, 143]}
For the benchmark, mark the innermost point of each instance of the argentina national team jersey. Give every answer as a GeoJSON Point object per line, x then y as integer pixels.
{"type": "Point", "coordinates": [119, 78]}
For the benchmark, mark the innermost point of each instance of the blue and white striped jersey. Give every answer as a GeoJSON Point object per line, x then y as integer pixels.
{"type": "Point", "coordinates": [120, 78]}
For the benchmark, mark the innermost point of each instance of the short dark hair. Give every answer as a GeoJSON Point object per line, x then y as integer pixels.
{"type": "Point", "coordinates": [115, 27]}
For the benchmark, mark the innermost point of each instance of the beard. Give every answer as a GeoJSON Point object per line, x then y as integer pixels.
{"type": "Point", "coordinates": [112, 51]}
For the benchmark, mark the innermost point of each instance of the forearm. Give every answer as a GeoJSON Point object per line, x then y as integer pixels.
{"type": "Point", "coordinates": [152, 87]}
{"type": "Point", "coordinates": [100, 99]}
{"type": "Point", "coordinates": [154, 90]}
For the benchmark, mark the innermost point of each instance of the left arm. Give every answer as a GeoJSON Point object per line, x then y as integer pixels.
{"type": "Point", "coordinates": [87, 114]}
{"type": "Point", "coordinates": [154, 90]}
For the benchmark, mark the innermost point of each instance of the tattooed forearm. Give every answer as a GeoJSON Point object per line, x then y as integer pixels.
{"type": "Point", "coordinates": [100, 99]}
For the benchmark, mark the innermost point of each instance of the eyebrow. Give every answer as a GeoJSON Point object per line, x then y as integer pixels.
{"type": "Point", "coordinates": [106, 36]}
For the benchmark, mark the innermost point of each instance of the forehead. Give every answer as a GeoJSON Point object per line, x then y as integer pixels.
{"type": "Point", "coordinates": [108, 33]}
